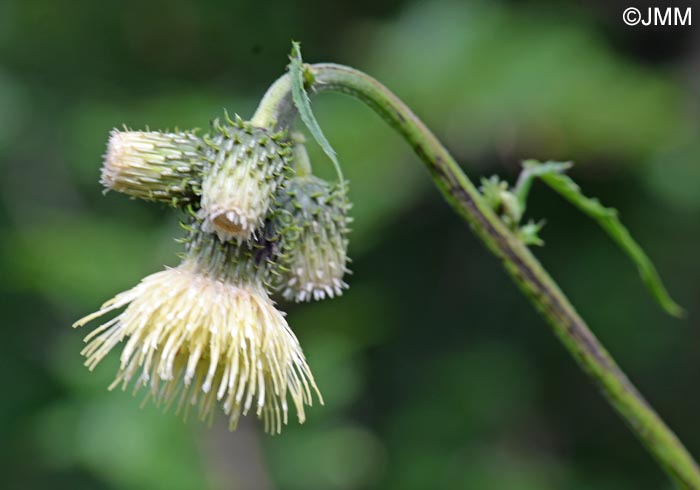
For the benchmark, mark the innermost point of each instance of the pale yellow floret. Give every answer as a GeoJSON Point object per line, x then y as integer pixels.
{"type": "Point", "coordinates": [193, 340]}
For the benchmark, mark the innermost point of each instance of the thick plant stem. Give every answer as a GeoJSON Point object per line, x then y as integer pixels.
{"type": "Point", "coordinates": [277, 109]}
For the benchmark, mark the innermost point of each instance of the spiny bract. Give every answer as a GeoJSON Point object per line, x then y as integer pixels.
{"type": "Point", "coordinates": [154, 166]}
{"type": "Point", "coordinates": [247, 166]}
{"type": "Point", "coordinates": [318, 260]}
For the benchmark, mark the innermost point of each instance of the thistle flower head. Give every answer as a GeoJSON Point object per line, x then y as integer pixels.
{"type": "Point", "coordinates": [154, 166]}
{"type": "Point", "coordinates": [207, 332]}
{"type": "Point", "coordinates": [318, 260]}
{"type": "Point", "coordinates": [248, 164]}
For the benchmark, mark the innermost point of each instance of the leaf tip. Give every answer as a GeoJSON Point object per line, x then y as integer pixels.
{"type": "Point", "coordinates": [674, 309]}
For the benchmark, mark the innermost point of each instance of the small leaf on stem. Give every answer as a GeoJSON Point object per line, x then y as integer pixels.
{"type": "Point", "coordinates": [551, 174]}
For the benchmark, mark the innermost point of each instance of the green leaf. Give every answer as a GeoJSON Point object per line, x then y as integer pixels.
{"type": "Point", "coordinates": [303, 105]}
{"type": "Point", "coordinates": [608, 219]}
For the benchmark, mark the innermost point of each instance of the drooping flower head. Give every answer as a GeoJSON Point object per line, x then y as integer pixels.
{"type": "Point", "coordinates": [154, 166]}
{"type": "Point", "coordinates": [318, 260]}
{"type": "Point", "coordinates": [248, 164]}
{"type": "Point", "coordinates": [207, 332]}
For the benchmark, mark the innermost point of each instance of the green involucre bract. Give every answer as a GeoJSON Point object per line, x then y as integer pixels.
{"type": "Point", "coordinates": [318, 261]}
{"type": "Point", "coordinates": [153, 165]}
{"type": "Point", "coordinates": [247, 166]}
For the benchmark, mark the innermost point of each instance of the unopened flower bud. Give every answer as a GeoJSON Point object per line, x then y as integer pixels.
{"type": "Point", "coordinates": [207, 332]}
{"type": "Point", "coordinates": [248, 164]}
{"type": "Point", "coordinates": [318, 259]}
{"type": "Point", "coordinates": [154, 166]}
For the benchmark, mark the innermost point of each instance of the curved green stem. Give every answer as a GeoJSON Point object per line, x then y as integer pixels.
{"type": "Point", "coordinates": [277, 109]}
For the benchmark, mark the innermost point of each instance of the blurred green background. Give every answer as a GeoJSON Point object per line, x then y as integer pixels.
{"type": "Point", "coordinates": [436, 371]}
